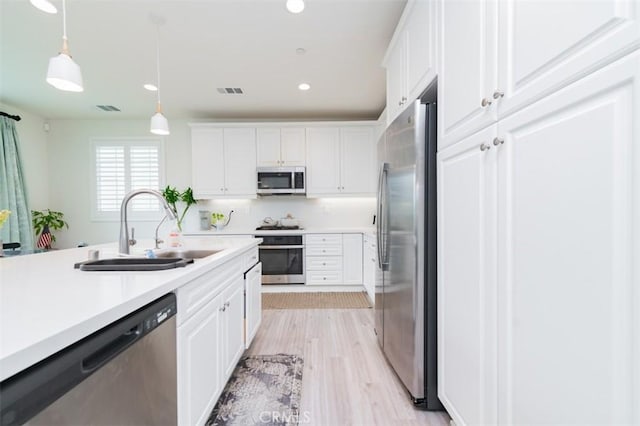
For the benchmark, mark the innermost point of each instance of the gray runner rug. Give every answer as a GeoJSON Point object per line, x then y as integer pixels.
{"type": "Point", "coordinates": [263, 390]}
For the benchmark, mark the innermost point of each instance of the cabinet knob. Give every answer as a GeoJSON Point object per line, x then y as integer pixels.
{"type": "Point", "coordinates": [342, 187]}
{"type": "Point", "coordinates": [226, 304]}
{"type": "Point", "coordinates": [485, 147]}
{"type": "Point", "coordinates": [498, 94]}
{"type": "Point", "coordinates": [497, 141]}
{"type": "Point", "coordinates": [324, 278]}
{"type": "Point", "coordinates": [222, 189]}
{"type": "Point", "coordinates": [399, 103]}
{"type": "Point", "coordinates": [485, 102]}
{"type": "Point", "coordinates": [223, 309]}
{"type": "Point", "coordinates": [324, 264]}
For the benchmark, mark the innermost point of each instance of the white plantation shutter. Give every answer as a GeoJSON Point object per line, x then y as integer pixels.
{"type": "Point", "coordinates": [123, 165]}
{"type": "Point", "coordinates": [110, 177]}
{"type": "Point", "coordinates": [145, 173]}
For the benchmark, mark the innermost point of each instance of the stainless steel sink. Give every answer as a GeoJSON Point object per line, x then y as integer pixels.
{"type": "Point", "coordinates": [186, 254]}
{"type": "Point", "coordinates": [134, 264]}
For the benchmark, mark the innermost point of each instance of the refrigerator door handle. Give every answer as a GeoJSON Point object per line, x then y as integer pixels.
{"type": "Point", "coordinates": [381, 229]}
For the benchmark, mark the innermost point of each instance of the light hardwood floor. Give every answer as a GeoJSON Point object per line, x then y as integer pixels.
{"type": "Point", "coordinates": [346, 380]}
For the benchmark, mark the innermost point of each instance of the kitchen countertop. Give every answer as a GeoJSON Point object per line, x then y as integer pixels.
{"type": "Point", "coordinates": [47, 305]}
{"type": "Point", "coordinates": [362, 230]}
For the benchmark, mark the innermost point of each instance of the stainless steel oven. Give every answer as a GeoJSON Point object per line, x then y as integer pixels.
{"type": "Point", "coordinates": [282, 258]}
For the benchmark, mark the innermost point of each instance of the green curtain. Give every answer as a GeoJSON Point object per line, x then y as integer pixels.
{"type": "Point", "coordinates": [13, 190]}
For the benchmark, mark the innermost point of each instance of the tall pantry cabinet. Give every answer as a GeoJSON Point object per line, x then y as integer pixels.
{"type": "Point", "coordinates": [539, 214]}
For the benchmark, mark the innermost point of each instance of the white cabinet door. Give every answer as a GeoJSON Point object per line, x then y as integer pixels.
{"type": "Point", "coordinates": [233, 325]}
{"type": "Point", "coordinates": [352, 259]}
{"type": "Point", "coordinates": [467, 68]}
{"type": "Point", "coordinates": [253, 303]}
{"type": "Point", "coordinates": [467, 374]}
{"type": "Point", "coordinates": [199, 375]}
{"type": "Point", "coordinates": [240, 161]}
{"type": "Point", "coordinates": [420, 48]}
{"type": "Point", "coordinates": [268, 147]}
{"type": "Point", "coordinates": [396, 69]}
{"type": "Point", "coordinates": [323, 166]}
{"type": "Point", "coordinates": [207, 162]}
{"type": "Point", "coordinates": [545, 46]}
{"type": "Point", "coordinates": [358, 173]}
{"type": "Point", "coordinates": [569, 250]}
{"type": "Point", "coordinates": [292, 146]}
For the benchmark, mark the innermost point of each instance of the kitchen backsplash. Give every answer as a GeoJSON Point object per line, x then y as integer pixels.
{"type": "Point", "coordinates": [311, 212]}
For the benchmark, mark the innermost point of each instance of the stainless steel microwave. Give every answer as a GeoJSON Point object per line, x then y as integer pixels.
{"type": "Point", "coordinates": [281, 181]}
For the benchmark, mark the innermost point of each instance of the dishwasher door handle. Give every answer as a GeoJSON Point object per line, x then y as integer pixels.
{"type": "Point", "coordinates": [111, 349]}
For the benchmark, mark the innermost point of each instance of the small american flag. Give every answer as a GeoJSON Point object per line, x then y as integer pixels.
{"type": "Point", "coordinates": [45, 239]}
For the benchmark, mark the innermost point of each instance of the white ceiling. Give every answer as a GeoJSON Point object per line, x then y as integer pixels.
{"type": "Point", "coordinates": [204, 45]}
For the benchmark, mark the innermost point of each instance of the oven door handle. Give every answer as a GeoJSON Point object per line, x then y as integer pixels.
{"type": "Point", "coordinates": [279, 247]}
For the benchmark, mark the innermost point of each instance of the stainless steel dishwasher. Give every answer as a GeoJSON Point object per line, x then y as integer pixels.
{"type": "Point", "coordinates": [123, 374]}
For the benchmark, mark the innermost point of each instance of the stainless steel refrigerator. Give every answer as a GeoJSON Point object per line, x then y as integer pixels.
{"type": "Point", "coordinates": [405, 318]}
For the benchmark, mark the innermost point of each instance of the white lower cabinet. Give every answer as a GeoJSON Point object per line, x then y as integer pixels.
{"type": "Point", "coordinates": [369, 264]}
{"type": "Point", "coordinates": [232, 324]}
{"type": "Point", "coordinates": [253, 303]}
{"type": "Point", "coordinates": [199, 375]}
{"type": "Point", "coordinates": [539, 241]}
{"type": "Point", "coordinates": [211, 336]}
{"type": "Point", "coordinates": [333, 259]}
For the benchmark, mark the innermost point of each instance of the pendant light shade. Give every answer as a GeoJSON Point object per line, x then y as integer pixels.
{"type": "Point", "coordinates": [44, 5]}
{"type": "Point", "coordinates": [63, 73]}
{"type": "Point", "coordinates": [159, 123]}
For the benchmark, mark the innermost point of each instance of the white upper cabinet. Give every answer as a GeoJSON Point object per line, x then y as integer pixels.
{"type": "Point", "coordinates": [341, 161]}
{"type": "Point", "coordinates": [292, 146]}
{"type": "Point", "coordinates": [544, 46]}
{"type": "Point", "coordinates": [468, 60]}
{"type": "Point", "coordinates": [357, 168]}
{"type": "Point", "coordinates": [497, 57]}
{"type": "Point", "coordinates": [323, 168]}
{"type": "Point", "coordinates": [268, 147]}
{"type": "Point", "coordinates": [207, 166]}
{"type": "Point", "coordinates": [223, 162]}
{"type": "Point", "coordinates": [280, 147]}
{"type": "Point", "coordinates": [410, 60]}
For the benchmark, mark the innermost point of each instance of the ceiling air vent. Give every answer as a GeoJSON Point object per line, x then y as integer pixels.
{"type": "Point", "coordinates": [230, 90]}
{"type": "Point", "coordinates": [108, 108]}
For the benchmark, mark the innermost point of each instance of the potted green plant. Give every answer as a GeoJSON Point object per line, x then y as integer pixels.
{"type": "Point", "coordinates": [44, 222]}
{"type": "Point", "coordinates": [173, 196]}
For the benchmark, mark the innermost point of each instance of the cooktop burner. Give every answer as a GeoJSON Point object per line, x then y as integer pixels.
{"type": "Point", "coordinates": [276, 228]}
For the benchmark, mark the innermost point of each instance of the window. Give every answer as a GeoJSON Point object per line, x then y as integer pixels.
{"type": "Point", "coordinates": [123, 165]}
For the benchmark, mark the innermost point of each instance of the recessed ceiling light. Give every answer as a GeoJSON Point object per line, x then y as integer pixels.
{"type": "Point", "coordinates": [304, 86]}
{"type": "Point", "coordinates": [301, 51]}
{"type": "Point", "coordinates": [151, 87]}
{"type": "Point", "coordinates": [44, 5]}
{"type": "Point", "coordinates": [295, 6]}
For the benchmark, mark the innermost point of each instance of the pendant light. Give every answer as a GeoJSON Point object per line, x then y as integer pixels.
{"type": "Point", "coordinates": [159, 123]}
{"type": "Point", "coordinates": [44, 5]}
{"type": "Point", "coordinates": [295, 6]}
{"type": "Point", "coordinates": [63, 72]}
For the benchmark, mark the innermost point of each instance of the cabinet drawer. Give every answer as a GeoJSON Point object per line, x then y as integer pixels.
{"type": "Point", "coordinates": [328, 250]}
{"type": "Point", "coordinates": [321, 239]}
{"type": "Point", "coordinates": [195, 294]}
{"type": "Point", "coordinates": [324, 277]}
{"type": "Point", "coordinates": [320, 263]}
{"type": "Point", "coordinates": [250, 258]}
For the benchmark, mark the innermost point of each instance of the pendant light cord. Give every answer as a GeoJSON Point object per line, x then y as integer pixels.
{"type": "Point", "coordinates": [158, 60]}
{"type": "Point", "coordinates": [65, 46]}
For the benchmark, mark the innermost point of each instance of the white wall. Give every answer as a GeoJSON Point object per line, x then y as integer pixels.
{"type": "Point", "coordinates": [34, 152]}
{"type": "Point", "coordinates": [70, 174]}
{"type": "Point", "coordinates": [70, 186]}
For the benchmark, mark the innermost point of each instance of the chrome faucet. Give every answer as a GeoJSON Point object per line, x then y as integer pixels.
{"type": "Point", "coordinates": [124, 226]}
